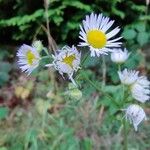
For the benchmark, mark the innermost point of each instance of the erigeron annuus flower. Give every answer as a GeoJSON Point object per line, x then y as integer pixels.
{"type": "Point", "coordinates": [141, 89]}
{"type": "Point", "coordinates": [67, 61]}
{"type": "Point", "coordinates": [119, 56]}
{"type": "Point", "coordinates": [135, 114]}
{"type": "Point", "coordinates": [139, 85]}
{"type": "Point", "coordinates": [28, 58]}
{"type": "Point", "coordinates": [95, 34]}
{"type": "Point", "coordinates": [128, 77]}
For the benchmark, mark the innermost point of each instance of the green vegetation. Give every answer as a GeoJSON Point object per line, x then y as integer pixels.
{"type": "Point", "coordinates": [44, 112]}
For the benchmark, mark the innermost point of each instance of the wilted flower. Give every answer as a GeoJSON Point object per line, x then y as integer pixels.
{"type": "Point", "coordinates": [128, 77]}
{"type": "Point", "coordinates": [139, 85]}
{"type": "Point", "coordinates": [67, 61]}
{"type": "Point", "coordinates": [119, 56]}
{"type": "Point", "coordinates": [135, 114]}
{"type": "Point", "coordinates": [95, 34]}
{"type": "Point", "coordinates": [141, 89]}
{"type": "Point", "coordinates": [28, 58]}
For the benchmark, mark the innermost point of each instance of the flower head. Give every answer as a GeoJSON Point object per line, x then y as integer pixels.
{"type": "Point", "coordinates": [119, 56]}
{"type": "Point", "coordinates": [141, 89]}
{"type": "Point", "coordinates": [128, 77]}
{"type": "Point", "coordinates": [28, 58]}
{"type": "Point", "coordinates": [94, 34]}
{"type": "Point", "coordinates": [135, 114]}
{"type": "Point", "coordinates": [67, 61]}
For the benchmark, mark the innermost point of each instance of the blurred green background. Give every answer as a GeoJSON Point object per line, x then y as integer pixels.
{"type": "Point", "coordinates": [42, 112]}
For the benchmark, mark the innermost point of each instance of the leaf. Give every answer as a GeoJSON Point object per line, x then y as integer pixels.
{"type": "Point", "coordinates": [77, 4]}
{"type": "Point", "coordinates": [4, 77]}
{"type": "Point", "coordinates": [140, 27]}
{"type": "Point", "coordinates": [129, 34]}
{"type": "Point", "coordinates": [119, 13]}
{"type": "Point", "coordinates": [142, 38]}
{"type": "Point", "coordinates": [3, 112]}
{"type": "Point", "coordinates": [87, 144]}
{"type": "Point", "coordinates": [5, 67]}
{"type": "Point", "coordinates": [22, 20]}
{"type": "Point", "coordinates": [3, 148]}
{"type": "Point", "coordinates": [140, 8]}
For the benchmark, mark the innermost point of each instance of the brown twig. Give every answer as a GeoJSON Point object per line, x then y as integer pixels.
{"type": "Point", "coordinates": [51, 42]}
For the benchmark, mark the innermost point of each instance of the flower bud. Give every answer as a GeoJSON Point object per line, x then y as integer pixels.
{"type": "Point", "coordinates": [38, 45]}
{"type": "Point", "coordinates": [119, 56]}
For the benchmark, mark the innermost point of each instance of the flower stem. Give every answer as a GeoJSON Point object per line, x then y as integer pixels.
{"type": "Point", "coordinates": [125, 135]}
{"type": "Point", "coordinates": [45, 57]}
{"type": "Point", "coordinates": [84, 59]}
{"type": "Point", "coordinates": [98, 88]}
{"type": "Point", "coordinates": [103, 70]}
{"type": "Point", "coordinates": [119, 67]}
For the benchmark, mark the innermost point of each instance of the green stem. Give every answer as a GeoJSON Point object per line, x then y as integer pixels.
{"type": "Point", "coordinates": [103, 70]}
{"type": "Point", "coordinates": [119, 67]}
{"type": "Point", "coordinates": [125, 135]}
{"type": "Point", "coordinates": [97, 88]}
{"type": "Point", "coordinates": [46, 51]}
{"type": "Point", "coordinates": [85, 58]}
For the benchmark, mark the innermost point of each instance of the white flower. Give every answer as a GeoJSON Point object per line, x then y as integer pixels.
{"type": "Point", "coordinates": [67, 61]}
{"type": "Point", "coordinates": [95, 34]}
{"type": "Point", "coordinates": [28, 58]}
{"type": "Point", "coordinates": [128, 77]}
{"type": "Point", "coordinates": [141, 89]}
{"type": "Point", "coordinates": [135, 114]}
{"type": "Point", "coordinates": [119, 56]}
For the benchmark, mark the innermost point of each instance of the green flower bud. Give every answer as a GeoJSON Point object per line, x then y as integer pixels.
{"type": "Point", "coordinates": [38, 45]}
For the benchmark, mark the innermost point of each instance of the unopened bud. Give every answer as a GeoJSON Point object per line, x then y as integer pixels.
{"type": "Point", "coordinates": [38, 45]}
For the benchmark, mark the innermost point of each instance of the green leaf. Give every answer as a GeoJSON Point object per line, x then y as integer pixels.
{"type": "Point", "coordinates": [129, 34]}
{"type": "Point", "coordinates": [119, 13]}
{"type": "Point", "coordinates": [3, 148]}
{"type": "Point", "coordinates": [142, 38]}
{"type": "Point", "coordinates": [3, 112]}
{"type": "Point", "coordinates": [87, 144]}
{"type": "Point", "coordinates": [77, 4]}
{"type": "Point", "coordinates": [4, 77]}
{"type": "Point", "coordinates": [5, 67]}
{"type": "Point", "coordinates": [140, 27]}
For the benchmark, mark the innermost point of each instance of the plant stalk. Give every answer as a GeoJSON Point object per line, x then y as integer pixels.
{"type": "Point", "coordinates": [104, 70]}
{"type": "Point", "coordinates": [51, 43]}
{"type": "Point", "coordinates": [125, 142]}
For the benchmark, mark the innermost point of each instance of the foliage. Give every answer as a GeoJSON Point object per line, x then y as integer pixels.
{"type": "Point", "coordinates": [25, 19]}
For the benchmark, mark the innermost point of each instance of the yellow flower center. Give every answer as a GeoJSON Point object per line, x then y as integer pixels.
{"type": "Point", "coordinates": [96, 38]}
{"type": "Point", "coordinates": [69, 60]}
{"type": "Point", "coordinates": [30, 57]}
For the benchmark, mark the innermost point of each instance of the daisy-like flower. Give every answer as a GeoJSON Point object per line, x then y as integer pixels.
{"type": "Point", "coordinates": [135, 114]}
{"type": "Point", "coordinates": [28, 58]}
{"type": "Point", "coordinates": [141, 89]}
{"type": "Point", "coordinates": [95, 34]}
{"type": "Point", "coordinates": [119, 56]}
{"type": "Point", "coordinates": [139, 85]}
{"type": "Point", "coordinates": [128, 77]}
{"type": "Point", "coordinates": [67, 61]}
